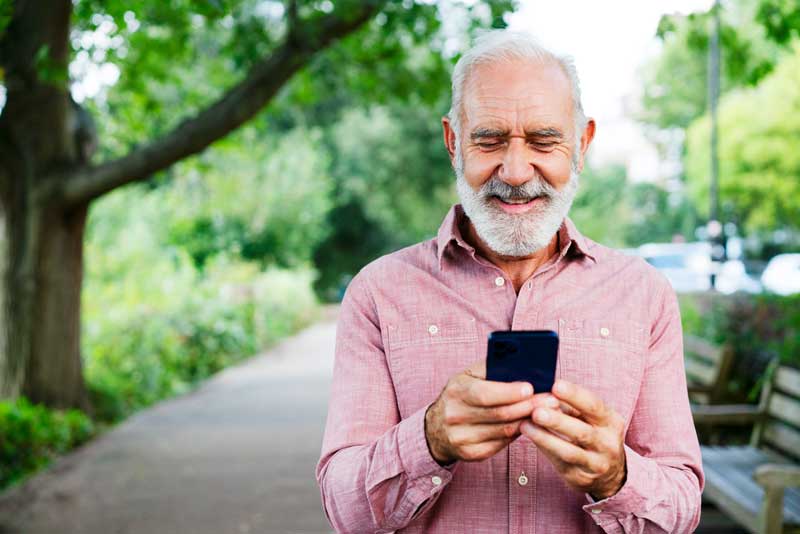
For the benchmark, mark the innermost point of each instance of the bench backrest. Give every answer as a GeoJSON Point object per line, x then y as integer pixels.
{"type": "Point", "coordinates": [707, 365]}
{"type": "Point", "coordinates": [780, 399]}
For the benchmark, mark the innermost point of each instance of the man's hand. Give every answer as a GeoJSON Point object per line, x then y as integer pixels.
{"type": "Point", "coordinates": [474, 419]}
{"type": "Point", "coordinates": [583, 440]}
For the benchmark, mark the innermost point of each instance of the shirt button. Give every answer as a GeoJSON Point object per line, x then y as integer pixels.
{"type": "Point", "coordinates": [499, 281]}
{"type": "Point", "coordinates": [597, 510]}
{"type": "Point", "coordinates": [433, 329]}
{"type": "Point", "coordinates": [436, 480]}
{"type": "Point", "coordinates": [523, 480]}
{"type": "Point", "coordinates": [604, 332]}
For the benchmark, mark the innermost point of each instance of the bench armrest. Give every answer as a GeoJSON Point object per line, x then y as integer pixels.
{"type": "Point", "coordinates": [777, 475]}
{"type": "Point", "coordinates": [698, 388]}
{"type": "Point", "coordinates": [728, 414]}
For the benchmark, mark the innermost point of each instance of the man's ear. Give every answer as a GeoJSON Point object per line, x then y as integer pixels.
{"type": "Point", "coordinates": [586, 140]}
{"type": "Point", "coordinates": [449, 138]}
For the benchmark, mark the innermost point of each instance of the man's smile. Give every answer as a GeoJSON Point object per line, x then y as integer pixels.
{"type": "Point", "coordinates": [516, 206]}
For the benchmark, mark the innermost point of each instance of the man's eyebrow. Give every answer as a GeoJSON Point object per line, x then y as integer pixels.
{"type": "Point", "coordinates": [482, 133]}
{"type": "Point", "coordinates": [545, 132]}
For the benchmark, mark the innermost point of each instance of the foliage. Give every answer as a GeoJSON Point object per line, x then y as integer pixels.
{"type": "Point", "coordinates": [176, 58]}
{"type": "Point", "coordinates": [675, 85]}
{"type": "Point", "coordinates": [260, 197]}
{"type": "Point", "coordinates": [759, 161]}
{"type": "Point", "coordinates": [614, 212]}
{"type": "Point", "coordinates": [780, 18]}
{"type": "Point", "coordinates": [759, 328]}
{"type": "Point", "coordinates": [31, 435]}
{"type": "Point", "coordinates": [154, 324]}
{"type": "Point", "coordinates": [658, 216]}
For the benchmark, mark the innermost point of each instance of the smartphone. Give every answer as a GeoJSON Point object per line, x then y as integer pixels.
{"type": "Point", "coordinates": [523, 355]}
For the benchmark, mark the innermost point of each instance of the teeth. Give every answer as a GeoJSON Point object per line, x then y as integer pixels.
{"type": "Point", "coordinates": [517, 201]}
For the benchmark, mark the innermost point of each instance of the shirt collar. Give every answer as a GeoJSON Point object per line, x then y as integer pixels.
{"type": "Point", "coordinates": [572, 241]}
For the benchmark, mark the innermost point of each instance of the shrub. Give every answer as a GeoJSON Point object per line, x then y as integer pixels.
{"type": "Point", "coordinates": [758, 327]}
{"type": "Point", "coordinates": [31, 435]}
{"type": "Point", "coordinates": [170, 337]}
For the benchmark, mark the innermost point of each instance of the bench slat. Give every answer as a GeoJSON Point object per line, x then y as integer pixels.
{"type": "Point", "coordinates": [788, 379]}
{"type": "Point", "coordinates": [697, 346]}
{"type": "Point", "coordinates": [700, 372]}
{"type": "Point", "coordinates": [785, 408]}
{"type": "Point", "coordinates": [730, 483]}
{"type": "Point", "coordinates": [783, 437]}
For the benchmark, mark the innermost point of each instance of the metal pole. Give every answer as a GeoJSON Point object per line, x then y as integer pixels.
{"type": "Point", "coordinates": [714, 226]}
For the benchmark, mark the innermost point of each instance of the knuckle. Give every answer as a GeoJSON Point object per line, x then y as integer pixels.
{"type": "Point", "coordinates": [570, 456]}
{"type": "Point", "coordinates": [457, 439]}
{"type": "Point", "coordinates": [470, 454]}
{"type": "Point", "coordinates": [602, 466]}
{"type": "Point", "coordinates": [509, 430]}
{"type": "Point", "coordinates": [585, 438]}
{"type": "Point", "coordinates": [501, 414]}
{"type": "Point", "coordinates": [451, 417]}
{"type": "Point", "coordinates": [481, 397]}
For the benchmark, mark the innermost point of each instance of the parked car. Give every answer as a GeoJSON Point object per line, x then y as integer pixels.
{"type": "Point", "coordinates": [782, 274]}
{"type": "Point", "coordinates": [687, 266]}
{"type": "Point", "coordinates": [732, 277]}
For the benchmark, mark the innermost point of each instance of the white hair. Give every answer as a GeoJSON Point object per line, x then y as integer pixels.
{"type": "Point", "coordinates": [505, 45]}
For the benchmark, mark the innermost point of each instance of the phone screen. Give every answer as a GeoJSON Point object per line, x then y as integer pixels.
{"type": "Point", "coordinates": [523, 355]}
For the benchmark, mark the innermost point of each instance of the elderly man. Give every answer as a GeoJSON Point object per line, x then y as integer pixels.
{"type": "Point", "coordinates": [417, 440]}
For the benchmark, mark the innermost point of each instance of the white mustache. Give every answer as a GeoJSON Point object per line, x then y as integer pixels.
{"type": "Point", "coordinates": [531, 189]}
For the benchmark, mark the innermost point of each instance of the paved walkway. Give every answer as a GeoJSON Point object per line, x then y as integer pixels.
{"type": "Point", "coordinates": [235, 456]}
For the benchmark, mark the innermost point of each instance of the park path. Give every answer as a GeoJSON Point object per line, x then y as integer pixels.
{"type": "Point", "coordinates": [235, 456]}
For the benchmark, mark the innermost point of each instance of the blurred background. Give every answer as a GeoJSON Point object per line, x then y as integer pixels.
{"type": "Point", "coordinates": [176, 238]}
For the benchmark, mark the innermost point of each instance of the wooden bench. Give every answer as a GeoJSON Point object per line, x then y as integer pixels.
{"type": "Point", "coordinates": [708, 367]}
{"type": "Point", "coordinates": [758, 485]}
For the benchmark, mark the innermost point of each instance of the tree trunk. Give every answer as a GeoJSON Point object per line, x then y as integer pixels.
{"type": "Point", "coordinates": [42, 291]}
{"type": "Point", "coordinates": [43, 260]}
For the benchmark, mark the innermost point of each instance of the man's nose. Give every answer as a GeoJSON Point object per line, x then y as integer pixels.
{"type": "Point", "coordinates": [517, 166]}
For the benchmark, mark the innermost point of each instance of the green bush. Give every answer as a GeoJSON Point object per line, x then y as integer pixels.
{"type": "Point", "coordinates": [758, 327]}
{"type": "Point", "coordinates": [155, 321]}
{"type": "Point", "coordinates": [31, 435]}
{"type": "Point", "coordinates": [137, 356]}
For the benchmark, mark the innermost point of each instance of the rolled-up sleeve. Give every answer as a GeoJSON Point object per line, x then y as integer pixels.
{"type": "Point", "coordinates": [664, 470]}
{"type": "Point", "coordinates": [375, 472]}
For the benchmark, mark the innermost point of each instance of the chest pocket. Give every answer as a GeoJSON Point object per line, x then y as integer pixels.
{"type": "Point", "coordinates": [424, 352]}
{"type": "Point", "coordinates": [605, 356]}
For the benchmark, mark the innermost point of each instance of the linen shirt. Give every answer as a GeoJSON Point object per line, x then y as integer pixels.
{"type": "Point", "coordinates": [412, 319]}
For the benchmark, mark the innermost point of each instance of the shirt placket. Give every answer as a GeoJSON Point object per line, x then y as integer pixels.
{"type": "Point", "coordinates": [522, 454]}
{"type": "Point", "coordinates": [521, 487]}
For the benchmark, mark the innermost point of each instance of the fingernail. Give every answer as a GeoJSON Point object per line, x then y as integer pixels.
{"type": "Point", "coordinates": [551, 402]}
{"type": "Point", "coordinates": [526, 390]}
{"type": "Point", "coordinates": [561, 387]}
{"type": "Point", "coordinates": [542, 416]}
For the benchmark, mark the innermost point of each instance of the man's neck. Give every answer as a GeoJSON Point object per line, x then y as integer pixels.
{"type": "Point", "coordinates": [518, 269]}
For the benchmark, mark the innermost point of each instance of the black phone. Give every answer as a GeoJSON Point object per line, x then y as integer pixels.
{"type": "Point", "coordinates": [523, 355]}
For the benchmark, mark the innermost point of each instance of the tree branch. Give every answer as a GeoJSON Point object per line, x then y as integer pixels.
{"type": "Point", "coordinates": [233, 109]}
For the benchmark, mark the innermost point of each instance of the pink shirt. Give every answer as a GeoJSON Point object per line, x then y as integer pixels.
{"type": "Point", "coordinates": [412, 319]}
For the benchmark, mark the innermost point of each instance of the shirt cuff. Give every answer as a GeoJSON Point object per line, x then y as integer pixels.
{"type": "Point", "coordinates": [630, 498]}
{"type": "Point", "coordinates": [415, 455]}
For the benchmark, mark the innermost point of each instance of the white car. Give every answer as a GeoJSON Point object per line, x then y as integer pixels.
{"type": "Point", "coordinates": [687, 266]}
{"type": "Point", "coordinates": [782, 275]}
{"type": "Point", "coordinates": [732, 278]}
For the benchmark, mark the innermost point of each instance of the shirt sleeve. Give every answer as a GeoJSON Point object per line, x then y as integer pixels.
{"type": "Point", "coordinates": [375, 473]}
{"type": "Point", "coordinates": [664, 471]}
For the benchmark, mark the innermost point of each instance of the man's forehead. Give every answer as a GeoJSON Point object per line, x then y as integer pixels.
{"type": "Point", "coordinates": [534, 91]}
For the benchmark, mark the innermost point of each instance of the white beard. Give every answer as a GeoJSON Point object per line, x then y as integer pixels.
{"type": "Point", "coordinates": [509, 234]}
